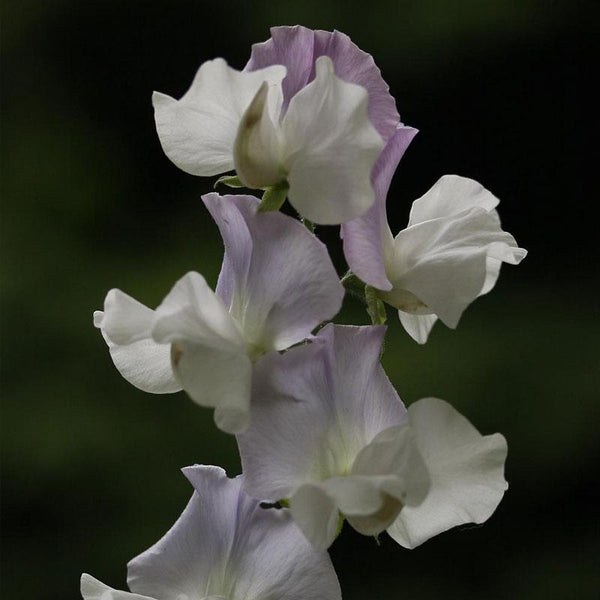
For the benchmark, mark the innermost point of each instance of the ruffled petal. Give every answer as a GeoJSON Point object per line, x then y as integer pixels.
{"type": "Point", "coordinates": [198, 131]}
{"type": "Point", "coordinates": [93, 589]}
{"type": "Point", "coordinates": [442, 262]}
{"type": "Point", "coordinates": [280, 282]}
{"type": "Point", "coordinates": [298, 48]}
{"type": "Point", "coordinates": [450, 195]}
{"type": "Point", "coordinates": [330, 148]}
{"type": "Point", "coordinates": [125, 325]}
{"type": "Point", "coordinates": [466, 470]}
{"type": "Point", "coordinates": [368, 237]}
{"type": "Point", "coordinates": [223, 542]}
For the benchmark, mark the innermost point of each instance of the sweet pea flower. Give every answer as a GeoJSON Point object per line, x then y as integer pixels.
{"type": "Point", "coordinates": [224, 546]}
{"type": "Point", "coordinates": [276, 285]}
{"type": "Point", "coordinates": [317, 144]}
{"type": "Point", "coordinates": [449, 254]}
{"type": "Point", "coordinates": [331, 438]}
{"type": "Point", "coordinates": [299, 49]}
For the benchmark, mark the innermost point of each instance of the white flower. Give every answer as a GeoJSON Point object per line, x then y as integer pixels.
{"type": "Point", "coordinates": [323, 145]}
{"type": "Point", "coordinates": [449, 254]}
{"type": "Point", "coordinates": [277, 283]}
{"type": "Point", "coordinates": [330, 435]}
{"type": "Point", "coordinates": [224, 546]}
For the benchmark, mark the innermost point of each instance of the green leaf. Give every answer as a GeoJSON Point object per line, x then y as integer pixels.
{"type": "Point", "coordinates": [232, 181]}
{"type": "Point", "coordinates": [274, 197]}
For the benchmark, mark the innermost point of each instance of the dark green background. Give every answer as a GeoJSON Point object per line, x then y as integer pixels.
{"type": "Point", "coordinates": [90, 465]}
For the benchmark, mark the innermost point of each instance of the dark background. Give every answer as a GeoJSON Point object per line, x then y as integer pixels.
{"type": "Point", "coordinates": [90, 464]}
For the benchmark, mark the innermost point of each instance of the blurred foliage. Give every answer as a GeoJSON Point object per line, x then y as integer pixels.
{"type": "Point", "coordinates": [90, 465]}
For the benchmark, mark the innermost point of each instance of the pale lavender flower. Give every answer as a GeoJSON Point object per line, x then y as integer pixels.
{"type": "Point", "coordinates": [224, 546]}
{"type": "Point", "coordinates": [330, 435]}
{"type": "Point", "coordinates": [319, 141]}
{"type": "Point", "coordinates": [276, 284]}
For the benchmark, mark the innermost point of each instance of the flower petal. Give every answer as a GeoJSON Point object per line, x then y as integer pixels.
{"type": "Point", "coordinates": [450, 195]}
{"type": "Point", "coordinates": [368, 237]}
{"type": "Point", "coordinates": [418, 326]}
{"type": "Point", "coordinates": [93, 589]}
{"type": "Point", "coordinates": [443, 261]}
{"type": "Point", "coordinates": [225, 541]}
{"type": "Point", "coordinates": [208, 352]}
{"type": "Point", "coordinates": [330, 148]}
{"type": "Point", "coordinates": [394, 456]}
{"type": "Point", "coordinates": [198, 131]}
{"type": "Point", "coordinates": [298, 48]}
{"type": "Point", "coordinates": [124, 320]}
{"type": "Point", "coordinates": [466, 470]}
{"type": "Point", "coordinates": [314, 408]}
{"type": "Point", "coordinates": [280, 282]}
{"type": "Point", "coordinates": [316, 514]}
{"type": "Point", "coordinates": [217, 379]}
{"type": "Point", "coordinates": [125, 325]}
{"type": "Point", "coordinates": [191, 311]}
{"type": "Point", "coordinates": [257, 147]}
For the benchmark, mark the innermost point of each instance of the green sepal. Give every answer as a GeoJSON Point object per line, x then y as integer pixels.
{"type": "Point", "coordinates": [375, 306]}
{"type": "Point", "coordinates": [340, 525]}
{"type": "Point", "coordinates": [232, 181]}
{"type": "Point", "coordinates": [274, 197]}
{"type": "Point", "coordinates": [354, 286]}
{"type": "Point", "coordinates": [308, 224]}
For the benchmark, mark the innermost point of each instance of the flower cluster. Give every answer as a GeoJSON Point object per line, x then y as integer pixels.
{"type": "Point", "coordinates": [323, 436]}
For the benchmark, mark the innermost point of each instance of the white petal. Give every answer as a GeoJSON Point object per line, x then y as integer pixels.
{"type": "Point", "coordinates": [419, 326]}
{"type": "Point", "coordinates": [124, 319]}
{"type": "Point", "coordinates": [315, 512]}
{"type": "Point", "coordinates": [93, 589]}
{"type": "Point", "coordinates": [191, 311]}
{"type": "Point", "coordinates": [394, 457]}
{"type": "Point", "coordinates": [125, 325]}
{"type": "Point", "coordinates": [146, 365]}
{"type": "Point", "coordinates": [218, 379]}
{"type": "Point", "coordinates": [466, 470]}
{"type": "Point", "coordinates": [450, 195]}
{"type": "Point", "coordinates": [443, 262]}
{"type": "Point", "coordinates": [198, 132]}
{"type": "Point", "coordinates": [257, 147]}
{"type": "Point", "coordinates": [330, 148]}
